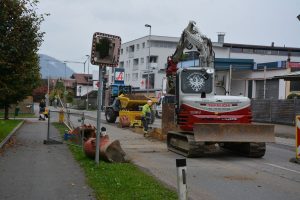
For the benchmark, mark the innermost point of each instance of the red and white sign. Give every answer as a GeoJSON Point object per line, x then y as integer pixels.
{"type": "Point", "coordinates": [294, 64]}
{"type": "Point", "coordinates": [96, 85]}
{"type": "Point", "coordinates": [119, 76]}
{"type": "Point", "coordinates": [298, 136]}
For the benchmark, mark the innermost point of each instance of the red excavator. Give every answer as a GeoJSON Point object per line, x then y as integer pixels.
{"type": "Point", "coordinates": [203, 119]}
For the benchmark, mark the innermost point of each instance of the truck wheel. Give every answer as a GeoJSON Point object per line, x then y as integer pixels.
{"type": "Point", "coordinates": [110, 116]}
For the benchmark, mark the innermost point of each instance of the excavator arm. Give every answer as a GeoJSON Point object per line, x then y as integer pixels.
{"type": "Point", "coordinates": [190, 37]}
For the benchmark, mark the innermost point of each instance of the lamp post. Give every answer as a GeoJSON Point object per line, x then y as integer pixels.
{"type": "Point", "coordinates": [87, 94]}
{"type": "Point", "coordinates": [148, 70]}
{"type": "Point", "coordinates": [65, 83]}
{"type": "Point", "coordinates": [298, 17]}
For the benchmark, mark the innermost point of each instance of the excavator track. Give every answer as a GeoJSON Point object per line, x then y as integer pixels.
{"type": "Point", "coordinates": [184, 144]}
{"type": "Point", "coordinates": [249, 149]}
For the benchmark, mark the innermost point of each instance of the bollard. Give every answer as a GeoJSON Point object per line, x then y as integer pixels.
{"type": "Point", "coordinates": [181, 179]}
{"type": "Point", "coordinates": [61, 117]}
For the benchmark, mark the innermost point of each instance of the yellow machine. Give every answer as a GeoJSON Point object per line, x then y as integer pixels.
{"type": "Point", "coordinates": [130, 113]}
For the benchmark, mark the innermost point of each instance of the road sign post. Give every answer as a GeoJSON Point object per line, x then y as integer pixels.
{"type": "Point", "coordinates": [105, 52]}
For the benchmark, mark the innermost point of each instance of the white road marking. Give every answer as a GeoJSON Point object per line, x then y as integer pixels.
{"type": "Point", "coordinates": [273, 165]}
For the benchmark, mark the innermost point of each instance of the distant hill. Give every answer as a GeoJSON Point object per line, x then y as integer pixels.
{"type": "Point", "coordinates": [53, 67]}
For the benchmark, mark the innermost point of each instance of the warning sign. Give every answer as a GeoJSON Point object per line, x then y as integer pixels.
{"type": "Point", "coordinates": [119, 76]}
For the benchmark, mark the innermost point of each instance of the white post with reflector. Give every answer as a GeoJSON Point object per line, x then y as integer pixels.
{"type": "Point", "coordinates": [181, 179]}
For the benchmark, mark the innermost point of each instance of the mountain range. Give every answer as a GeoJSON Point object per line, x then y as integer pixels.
{"type": "Point", "coordinates": [53, 68]}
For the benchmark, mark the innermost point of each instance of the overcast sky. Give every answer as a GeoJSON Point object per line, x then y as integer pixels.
{"type": "Point", "coordinates": [71, 24]}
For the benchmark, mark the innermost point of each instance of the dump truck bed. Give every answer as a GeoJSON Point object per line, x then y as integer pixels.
{"type": "Point", "coordinates": [134, 100]}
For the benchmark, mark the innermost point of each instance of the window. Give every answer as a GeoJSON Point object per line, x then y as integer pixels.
{"type": "Point", "coordinates": [268, 52]}
{"type": "Point", "coordinates": [295, 53]}
{"type": "Point", "coordinates": [142, 60]}
{"type": "Point", "coordinates": [245, 50]}
{"type": "Point", "coordinates": [259, 51]}
{"type": "Point", "coordinates": [121, 51]}
{"type": "Point", "coordinates": [137, 47]}
{"type": "Point", "coordinates": [131, 48]}
{"type": "Point", "coordinates": [135, 76]}
{"type": "Point", "coordinates": [283, 53]}
{"type": "Point", "coordinates": [135, 64]}
{"type": "Point", "coordinates": [126, 49]}
{"type": "Point", "coordinates": [190, 77]}
{"type": "Point", "coordinates": [143, 44]}
{"type": "Point", "coordinates": [122, 64]}
{"type": "Point", "coordinates": [153, 59]}
{"type": "Point", "coordinates": [236, 50]}
{"type": "Point", "coordinates": [127, 63]}
{"type": "Point", "coordinates": [295, 86]}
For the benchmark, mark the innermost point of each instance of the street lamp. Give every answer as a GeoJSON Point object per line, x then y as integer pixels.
{"type": "Point", "coordinates": [65, 83]}
{"type": "Point", "coordinates": [87, 94]}
{"type": "Point", "coordinates": [298, 17]}
{"type": "Point", "coordinates": [148, 81]}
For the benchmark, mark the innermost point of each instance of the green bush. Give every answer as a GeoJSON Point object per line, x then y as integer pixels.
{"type": "Point", "coordinates": [293, 96]}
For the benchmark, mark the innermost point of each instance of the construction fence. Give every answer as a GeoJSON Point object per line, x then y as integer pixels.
{"type": "Point", "coordinates": [275, 111]}
{"type": "Point", "coordinates": [73, 133]}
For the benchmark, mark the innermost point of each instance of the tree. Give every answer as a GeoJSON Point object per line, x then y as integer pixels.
{"type": "Point", "coordinates": [20, 38]}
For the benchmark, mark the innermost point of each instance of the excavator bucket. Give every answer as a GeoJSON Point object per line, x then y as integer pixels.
{"type": "Point", "coordinates": [234, 132]}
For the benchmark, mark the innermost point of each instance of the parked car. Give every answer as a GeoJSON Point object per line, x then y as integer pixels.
{"type": "Point", "coordinates": [162, 100]}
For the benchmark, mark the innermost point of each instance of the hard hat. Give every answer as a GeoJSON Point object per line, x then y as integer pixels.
{"type": "Point", "coordinates": [149, 101]}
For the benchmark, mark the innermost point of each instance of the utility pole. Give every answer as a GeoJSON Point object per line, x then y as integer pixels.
{"type": "Point", "coordinates": [148, 70]}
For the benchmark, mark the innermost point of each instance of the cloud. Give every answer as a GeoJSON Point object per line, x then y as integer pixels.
{"type": "Point", "coordinates": [70, 26]}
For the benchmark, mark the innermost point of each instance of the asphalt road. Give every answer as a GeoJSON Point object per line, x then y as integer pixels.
{"type": "Point", "coordinates": [221, 175]}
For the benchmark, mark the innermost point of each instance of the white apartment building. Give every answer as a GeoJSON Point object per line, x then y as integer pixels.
{"type": "Point", "coordinates": [238, 68]}
{"type": "Point", "coordinates": [134, 58]}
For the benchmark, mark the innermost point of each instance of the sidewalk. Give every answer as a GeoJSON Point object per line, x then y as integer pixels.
{"type": "Point", "coordinates": [32, 170]}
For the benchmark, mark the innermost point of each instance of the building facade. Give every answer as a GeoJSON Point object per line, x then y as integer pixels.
{"type": "Point", "coordinates": [134, 58]}
{"type": "Point", "coordinates": [241, 69]}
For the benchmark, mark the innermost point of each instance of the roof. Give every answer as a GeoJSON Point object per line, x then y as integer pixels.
{"type": "Point", "coordinates": [293, 76]}
{"type": "Point", "coordinates": [82, 79]}
{"type": "Point", "coordinates": [260, 47]}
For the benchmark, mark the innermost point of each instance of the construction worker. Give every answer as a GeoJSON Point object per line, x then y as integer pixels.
{"type": "Point", "coordinates": [146, 116]}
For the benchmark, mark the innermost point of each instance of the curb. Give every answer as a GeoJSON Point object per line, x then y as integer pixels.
{"type": "Point", "coordinates": [11, 134]}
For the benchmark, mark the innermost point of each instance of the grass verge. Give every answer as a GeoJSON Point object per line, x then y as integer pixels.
{"type": "Point", "coordinates": [20, 115]}
{"type": "Point", "coordinates": [6, 126]}
{"type": "Point", "coordinates": [119, 180]}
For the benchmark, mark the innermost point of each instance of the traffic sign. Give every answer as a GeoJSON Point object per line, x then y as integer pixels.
{"type": "Point", "coordinates": [105, 49]}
